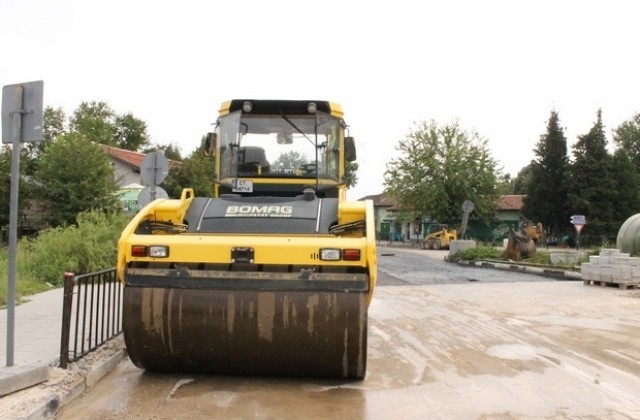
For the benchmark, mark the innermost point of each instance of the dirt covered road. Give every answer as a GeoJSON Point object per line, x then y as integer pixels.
{"type": "Point", "coordinates": [519, 350]}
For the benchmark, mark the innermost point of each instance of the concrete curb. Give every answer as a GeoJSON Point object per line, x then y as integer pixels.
{"type": "Point", "coordinates": [49, 407]}
{"type": "Point", "coordinates": [559, 274]}
{"type": "Point", "coordinates": [16, 378]}
{"type": "Point", "coordinates": [100, 371]}
{"type": "Point", "coordinates": [62, 386]}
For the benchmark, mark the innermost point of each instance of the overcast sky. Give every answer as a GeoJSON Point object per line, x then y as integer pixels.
{"type": "Point", "coordinates": [498, 67]}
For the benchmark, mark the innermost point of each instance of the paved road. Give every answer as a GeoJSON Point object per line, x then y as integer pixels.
{"type": "Point", "coordinates": [443, 344]}
{"type": "Point", "coordinates": [413, 266]}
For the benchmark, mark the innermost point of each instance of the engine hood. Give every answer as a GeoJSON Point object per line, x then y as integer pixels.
{"type": "Point", "coordinates": [262, 215]}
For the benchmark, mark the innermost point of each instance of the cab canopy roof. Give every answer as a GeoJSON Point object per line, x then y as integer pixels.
{"type": "Point", "coordinates": [273, 106]}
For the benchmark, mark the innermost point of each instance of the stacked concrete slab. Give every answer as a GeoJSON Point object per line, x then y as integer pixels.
{"type": "Point", "coordinates": [612, 268]}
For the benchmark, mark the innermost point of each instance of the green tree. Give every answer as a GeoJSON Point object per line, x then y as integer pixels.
{"type": "Point", "coordinates": [96, 121]}
{"type": "Point", "coordinates": [627, 181]}
{"type": "Point", "coordinates": [521, 180]}
{"type": "Point", "coordinates": [592, 184]}
{"type": "Point", "coordinates": [440, 167]}
{"type": "Point", "coordinates": [76, 177]}
{"type": "Point", "coordinates": [546, 190]}
{"type": "Point", "coordinates": [627, 136]}
{"type": "Point", "coordinates": [290, 159]}
{"type": "Point", "coordinates": [25, 187]}
{"type": "Point", "coordinates": [5, 184]}
{"type": "Point", "coordinates": [505, 185]}
{"type": "Point", "coordinates": [171, 151]}
{"type": "Point", "coordinates": [351, 174]}
{"type": "Point", "coordinates": [54, 123]}
{"type": "Point", "coordinates": [195, 172]}
{"type": "Point", "coordinates": [130, 132]}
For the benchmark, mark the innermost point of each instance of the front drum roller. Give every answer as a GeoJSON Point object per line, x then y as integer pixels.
{"type": "Point", "coordinates": [257, 327]}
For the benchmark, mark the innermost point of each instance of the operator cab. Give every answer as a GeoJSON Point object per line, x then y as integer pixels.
{"type": "Point", "coordinates": [280, 148]}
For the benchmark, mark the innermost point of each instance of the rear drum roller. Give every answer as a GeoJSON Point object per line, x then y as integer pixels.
{"type": "Point", "coordinates": [247, 332]}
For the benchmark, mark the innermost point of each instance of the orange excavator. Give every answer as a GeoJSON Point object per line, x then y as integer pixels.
{"type": "Point", "coordinates": [522, 242]}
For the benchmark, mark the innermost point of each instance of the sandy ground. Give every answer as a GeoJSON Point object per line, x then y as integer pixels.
{"type": "Point", "coordinates": [554, 350]}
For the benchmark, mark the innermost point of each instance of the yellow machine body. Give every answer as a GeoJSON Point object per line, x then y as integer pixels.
{"type": "Point", "coordinates": [273, 275]}
{"type": "Point", "coordinates": [439, 237]}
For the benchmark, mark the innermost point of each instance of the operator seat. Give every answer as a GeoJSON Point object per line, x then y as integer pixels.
{"type": "Point", "coordinates": [250, 158]}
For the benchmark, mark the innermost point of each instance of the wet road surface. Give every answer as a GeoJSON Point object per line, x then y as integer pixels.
{"type": "Point", "coordinates": [443, 344]}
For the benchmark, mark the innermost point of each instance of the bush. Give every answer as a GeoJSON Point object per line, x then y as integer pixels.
{"type": "Point", "coordinates": [477, 253]}
{"type": "Point", "coordinates": [89, 246]}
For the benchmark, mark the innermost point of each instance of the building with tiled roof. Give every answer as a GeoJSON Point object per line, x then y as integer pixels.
{"type": "Point", "coordinates": [383, 208]}
{"type": "Point", "coordinates": [511, 202]}
{"type": "Point", "coordinates": [508, 213]}
{"type": "Point", "coordinates": [380, 200]}
{"type": "Point", "coordinates": [126, 165]}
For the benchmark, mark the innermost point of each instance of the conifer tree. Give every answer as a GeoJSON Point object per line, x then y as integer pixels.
{"type": "Point", "coordinates": [546, 188]}
{"type": "Point", "coordinates": [592, 184]}
{"type": "Point", "coordinates": [627, 190]}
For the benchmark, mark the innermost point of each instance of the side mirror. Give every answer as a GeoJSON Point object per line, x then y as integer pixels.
{"type": "Point", "coordinates": [349, 149]}
{"type": "Point", "coordinates": [210, 144]}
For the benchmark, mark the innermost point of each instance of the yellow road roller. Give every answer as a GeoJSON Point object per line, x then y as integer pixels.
{"type": "Point", "coordinates": [273, 274]}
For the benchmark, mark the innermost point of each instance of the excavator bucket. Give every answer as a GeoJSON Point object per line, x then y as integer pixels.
{"type": "Point", "coordinates": [520, 245]}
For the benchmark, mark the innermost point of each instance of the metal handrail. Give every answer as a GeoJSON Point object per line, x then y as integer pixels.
{"type": "Point", "coordinates": [93, 317]}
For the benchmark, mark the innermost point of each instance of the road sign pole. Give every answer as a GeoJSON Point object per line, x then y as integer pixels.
{"type": "Point", "coordinates": [155, 169]}
{"type": "Point", "coordinates": [22, 120]}
{"type": "Point", "coordinates": [578, 221]}
{"type": "Point", "coordinates": [16, 121]}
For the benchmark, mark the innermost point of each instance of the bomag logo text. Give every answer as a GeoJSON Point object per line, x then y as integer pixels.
{"type": "Point", "coordinates": [259, 211]}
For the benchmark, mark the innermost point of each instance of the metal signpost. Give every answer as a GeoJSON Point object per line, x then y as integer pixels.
{"type": "Point", "coordinates": [21, 122]}
{"type": "Point", "coordinates": [154, 169]}
{"type": "Point", "coordinates": [467, 208]}
{"type": "Point", "coordinates": [578, 221]}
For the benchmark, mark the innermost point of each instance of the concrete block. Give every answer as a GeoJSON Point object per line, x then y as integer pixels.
{"type": "Point", "coordinates": [586, 271]}
{"type": "Point", "coordinates": [590, 272]}
{"type": "Point", "coordinates": [565, 258]}
{"type": "Point", "coordinates": [634, 261]}
{"type": "Point", "coordinates": [605, 273]}
{"type": "Point", "coordinates": [604, 260]}
{"type": "Point", "coordinates": [605, 252]}
{"type": "Point", "coordinates": [620, 260]}
{"type": "Point", "coordinates": [460, 245]}
{"type": "Point", "coordinates": [620, 273]}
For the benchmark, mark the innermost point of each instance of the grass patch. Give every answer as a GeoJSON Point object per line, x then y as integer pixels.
{"type": "Point", "coordinates": [25, 285]}
{"type": "Point", "coordinates": [540, 257]}
{"type": "Point", "coordinates": [489, 252]}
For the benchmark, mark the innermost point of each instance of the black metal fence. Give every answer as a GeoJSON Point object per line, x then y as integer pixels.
{"type": "Point", "coordinates": [91, 314]}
